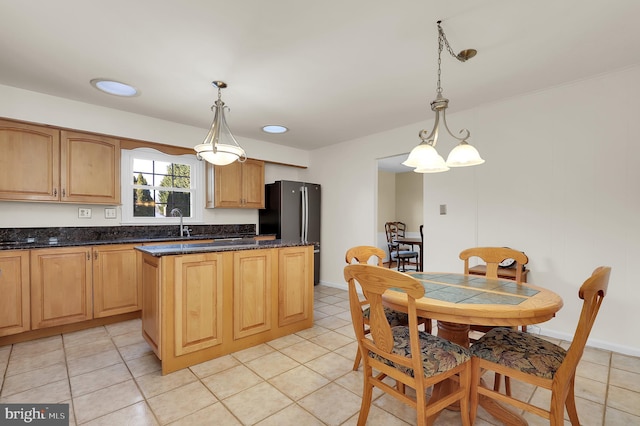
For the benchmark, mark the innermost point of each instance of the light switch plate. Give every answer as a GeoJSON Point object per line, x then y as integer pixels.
{"type": "Point", "coordinates": [110, 213]}
{"type": "Point", "coordinates": [443, 209]}
{"type": "Point", "coordinates": [84, 213]}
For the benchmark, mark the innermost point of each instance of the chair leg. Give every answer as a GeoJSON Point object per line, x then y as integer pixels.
{"type": "Point", "coordinates": [473, 397]}
{"type": "Point", "coordinates": [367, 395]}
{"type": "Point", "coordinates": [356, 363]}
{"type": "Point", "coordinates": [570, 403]}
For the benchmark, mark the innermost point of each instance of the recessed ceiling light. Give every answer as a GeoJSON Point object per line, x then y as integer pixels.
{"type": "Point", "coordinates": [274, 128]}
{"type": "Point", "coordinates": [113, 87]}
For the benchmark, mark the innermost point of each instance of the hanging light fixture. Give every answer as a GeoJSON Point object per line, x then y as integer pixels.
{"type": "Point", "coordinates": [424, 157]}
{"type": "Point", "coordinates": [220, 147]}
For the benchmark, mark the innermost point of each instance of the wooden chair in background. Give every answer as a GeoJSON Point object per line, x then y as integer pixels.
{"type": "Point", "coordinates": [536, 361]}
{"type": "Point", "coordinates": [362, 255]}
{"type": "Point", "coordinates": [412, 357]}
{"type": "Point", "coordinates": [493, 256]}
{"type": "Point", "coordinates": [400, 253]}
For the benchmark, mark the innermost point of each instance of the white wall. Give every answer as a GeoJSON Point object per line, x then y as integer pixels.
{"type": "Point", "coordinates": [44, 109]}
{"type": "Point", "coordinates": [560, 182]}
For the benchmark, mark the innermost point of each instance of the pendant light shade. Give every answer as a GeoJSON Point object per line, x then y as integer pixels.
{"type": "Point", "coordinates": [464, 155]}
{"type": "Point", "coordinates": [220, 147]}
{"type": "Point", "coordinates": [424, 157]}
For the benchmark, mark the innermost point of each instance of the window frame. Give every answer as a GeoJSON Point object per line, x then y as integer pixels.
{"type": "Point", "coordinates": [127, 186]}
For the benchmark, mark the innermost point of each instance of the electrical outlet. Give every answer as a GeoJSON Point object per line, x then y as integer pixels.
{"type": "Point", "coordinates": [443, 209]}
{"type": "Point", "coordinates": [84, 213]}
{"type": "Point", "coordinates": [110, 213]}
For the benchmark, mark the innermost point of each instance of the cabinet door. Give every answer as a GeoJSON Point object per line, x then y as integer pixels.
{"type": "Point", "coordinates": [60, 286]}
{"type": "Point", "coordinates": [149, 279]}
{"type": "Point", "coordinates": [253, 184]}
{"type": "Point", "coordinates": [228, 185]}
{"type": "Point", "coordinates": [29, 162]}
{"type": "Point", "coordinates": [252, 287]}
{"type": "Point", "coordinates": [14, 288]}
{"type": "Point", "coordinates": [198, 291]}
{"type": "Point", "coordinates": [295, 284]}
{"type": "Point", "coordinates": [90, 167]}
{"type": "Point", "coordinates": [115, 286]}
{"type": "Point", "coordinates": [237, 185]}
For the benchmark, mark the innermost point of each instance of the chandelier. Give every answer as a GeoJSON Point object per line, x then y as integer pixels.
{"type": "Point", "coordinates": [424, 157]}
{"type": "Point", "coordinates": [220, 147]}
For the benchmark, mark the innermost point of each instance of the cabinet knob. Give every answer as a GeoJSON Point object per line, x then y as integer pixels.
{"type": "Point", "coordinates": [55, 192]}
{"type": "Point", "coordinates": [64, 194]}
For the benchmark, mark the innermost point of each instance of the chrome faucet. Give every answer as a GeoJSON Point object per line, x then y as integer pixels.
{"type": "Point", "coordinates": [183, 228]}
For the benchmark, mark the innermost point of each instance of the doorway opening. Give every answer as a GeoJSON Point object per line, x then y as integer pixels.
{"type": "Point", "coordinates": [399, 198]}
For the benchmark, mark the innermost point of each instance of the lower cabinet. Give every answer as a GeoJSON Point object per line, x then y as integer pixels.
{"type": "Point", "coordinates": [14, 292]}
{"type": "Point", "coordinates": [197, 307]}
{"type": "Point", "coordinates": [48, 287]}
{"type": "Point", "coordinates": [60, 286]}
{"type": "Point", "coordinates": [252, 290]}
{"type": "Point", "coordinates": [115, 287]}
{"type": "Point", "coordinates": [198, 302]}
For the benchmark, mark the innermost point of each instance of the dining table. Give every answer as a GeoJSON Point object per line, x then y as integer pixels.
{"type": "Point", "coordinates": [457, 300]}
{"type": "Point", "coordinates": [413, 242]}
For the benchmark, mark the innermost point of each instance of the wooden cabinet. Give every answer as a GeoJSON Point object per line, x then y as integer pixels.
{"type": "Point", "coordinates": [200, 306]}
{"type": "Point", "coordinates": [89, 168]}
{"type": "Point", "coordinates": [115, 286]}
{"type": "Point", "coordinates": [198, 291]}
{"type": "Point", "coordinates": [295, 293]}
{"type": "Point", "coordinates": [60, 286]}
{"type": "Point", "coordinates": [40, 163]}
{"type": "Point", "coordinates": [149, 278]}
{"type": "Point", "coordinates": [29, 163]}
{"type": "Point", "coordinates": [237, 185]}
{"type": "Point", "coordinates": [14, 291]}
{"type": "Point", "coordinates": [252, 289]}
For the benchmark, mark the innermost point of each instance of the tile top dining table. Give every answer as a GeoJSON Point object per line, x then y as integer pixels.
{"type": "Point", "coordinates": [458, 300]}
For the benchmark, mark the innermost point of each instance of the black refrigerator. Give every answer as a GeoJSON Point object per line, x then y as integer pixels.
{"type": "Point", "coordinates": [292, 212]}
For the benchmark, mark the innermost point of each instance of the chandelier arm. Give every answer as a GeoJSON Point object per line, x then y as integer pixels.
{"type": "Point", "coordinates": [463, 131]}
{"type": "Point", "coordinates": [432, 137]}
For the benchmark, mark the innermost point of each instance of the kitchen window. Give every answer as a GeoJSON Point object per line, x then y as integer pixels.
{"type": "Point", "coordinates": [154, 184]}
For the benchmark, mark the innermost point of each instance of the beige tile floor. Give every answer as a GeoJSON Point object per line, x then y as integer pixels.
{"type": "Point", "coordinates": [109, 376]}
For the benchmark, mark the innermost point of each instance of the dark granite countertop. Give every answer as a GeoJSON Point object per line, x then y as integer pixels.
{"type": "Point", "coordinates": [217, 246]}
{"type": "Point", "coordinates": [31, 238]}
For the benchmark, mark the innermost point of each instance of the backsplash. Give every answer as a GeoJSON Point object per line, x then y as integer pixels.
{"type": "Point", "coordinates": [120, 233]}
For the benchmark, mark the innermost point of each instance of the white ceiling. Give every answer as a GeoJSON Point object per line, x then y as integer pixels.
{"type": "Point", "coordinates": [330, 70]}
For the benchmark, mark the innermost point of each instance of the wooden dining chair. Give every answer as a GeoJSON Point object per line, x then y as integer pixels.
{"type": "Point", "coordinates": [401, 352]}
{"type": "Point", "coordinates": [533, 360]}
{"type": "Point", "coordinates": [402, 254]}
{"type": "Point", "coordinates": [493, 256]}
{"type": "Point", "coordinates": [363, 255]}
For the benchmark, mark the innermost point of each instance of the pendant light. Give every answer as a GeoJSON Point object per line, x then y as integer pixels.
{"type": "Point", "coordinates": [220, 147]}
{"type": "Point", "coordinates": [424, 157]}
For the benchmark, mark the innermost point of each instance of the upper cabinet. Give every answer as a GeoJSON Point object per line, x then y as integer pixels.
{"type": "Point", "coordinates": [30, 162]}
{"type": "Point", "coordinates": [40, 163]}
{"type": "Point", "coordinates": [89, 168]}
{"type": "Point", "coordinates": [237, 185]}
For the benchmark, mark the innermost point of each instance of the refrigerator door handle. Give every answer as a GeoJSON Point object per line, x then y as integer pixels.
{"type": "Point", "coordinates": [305, 198]}
{"type": "Point", "coordinates": [303, 213]}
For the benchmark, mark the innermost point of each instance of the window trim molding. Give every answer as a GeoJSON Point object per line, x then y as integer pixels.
{"type": "Point", "coordinates": [197, 185]}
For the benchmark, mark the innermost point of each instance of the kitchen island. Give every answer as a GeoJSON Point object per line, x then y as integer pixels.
{"type": "Point", "coordinates": [204, 300]}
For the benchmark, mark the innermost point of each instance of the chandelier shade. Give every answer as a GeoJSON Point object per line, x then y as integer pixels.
{"type": "Point", "coordinates": [220, 147]}
{"type": "Point", "coordinates": [424, 158]}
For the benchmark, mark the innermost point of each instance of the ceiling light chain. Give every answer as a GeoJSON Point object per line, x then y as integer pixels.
{"type": "Point", "coordinates": [424, 157]}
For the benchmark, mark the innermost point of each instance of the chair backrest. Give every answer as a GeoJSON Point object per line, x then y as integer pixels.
{"type": "Point", "coordinates": [362, 254]}
{"type": "Point", "coordinates": [374, 281]}
{"type": "Point", "coordinates": [592, 292]}
{"type": "Point", "coordinates": [492, 256]}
